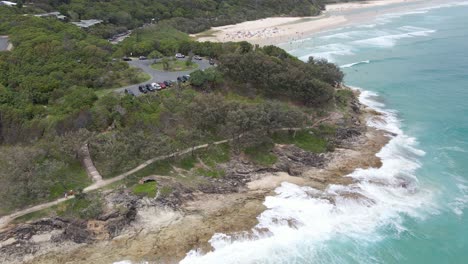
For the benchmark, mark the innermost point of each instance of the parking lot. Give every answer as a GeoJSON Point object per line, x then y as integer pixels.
{"type": "Point", "coordinates": [159, 76]}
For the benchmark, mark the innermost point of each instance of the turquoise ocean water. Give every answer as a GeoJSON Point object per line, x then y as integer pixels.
{"type": "Point", "coordinates": [413, 67]}
{"type": "Point", "coordinates": [417, 64]}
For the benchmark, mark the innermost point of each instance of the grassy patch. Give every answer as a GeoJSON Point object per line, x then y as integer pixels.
{"type": "Point", "coordinates": [343, 97]}
{"type": "Point", "coordinates": [216, 154]}
{"type": "Point", "coordinates": [142, 77]}
{"type": "Point", "coordinates": [145, 189]}
{"type": "Point", "coordinates": [84, 206]}
{"type": "Point", "coordinates": [205, 34]}
{"type": "Point", "coordinates": [212, 173]}
{"type": "Point", "coordinates": [175, 65]}
{"type": "Point", "coordinates": [261, 154]}
{"type": "Point", "coordinates": [162, 167]}
{"type": "Point", "coordinates": [165, 191]}
{"type": "Point", "coordinates": [75, 178]}
{"type": "Point", "coordinates": [187, 163]}
{"type": "Point", "coordinates": [304, 139]}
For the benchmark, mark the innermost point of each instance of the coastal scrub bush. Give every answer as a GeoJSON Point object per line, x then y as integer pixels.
{"type": "Point", "coordinates": [303, 139]}
{"type": "Point", "coordinates": [261, 154]}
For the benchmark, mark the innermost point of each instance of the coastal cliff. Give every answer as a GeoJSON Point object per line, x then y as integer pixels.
{"type": "Point", "coordinates": [166, 227]}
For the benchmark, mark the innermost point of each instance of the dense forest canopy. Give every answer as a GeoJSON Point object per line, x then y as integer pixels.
{"type": "Point", "coordinates": [190, 16]}
{"type": "Point", "coordinates": [186, 15]}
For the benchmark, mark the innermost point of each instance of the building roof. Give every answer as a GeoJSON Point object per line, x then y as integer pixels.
{"type": "Point", "coordinates": [87, 23]}
{"type": "Point", "coordinates": [48, 14]}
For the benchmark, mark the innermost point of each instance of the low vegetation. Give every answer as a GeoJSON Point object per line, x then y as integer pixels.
{"type": "Point", "coordinates": [185, 15]}
{"type": "Point", "coordinates": [174, 65]}
{"type": "Point", "coordinates": [55, 96]}
{"type": "Point", "coordinates": [145, 189]}
{"type": "Point", "coordinates": [262, 154]}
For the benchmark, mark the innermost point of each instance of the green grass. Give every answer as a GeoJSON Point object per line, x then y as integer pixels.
{"type": "Point", "coordinates": [261, 154]}
{"type": "Point", "coordinates": [89, 206]}
{"type": "Point", "coordinates": [216, 154]}
{"type": "Point", "coordinates": [145, 189]}
{"type": "Point", "coordinates": [163, 167]}
{"type": "Point", "coordinates": [212, 173]}
{"type": "Point", "coordinates": [142, 77]}
{"type": "Point", "coordinates": [343, 97]}
{"type": "Point", "coordinates": [165, 191]}
{"type": "Point", "coordinates": [303, 139]}
{"type": "Point", "coordinates": [208, 33]}
{"type": "Point", "coordinates": [176, 65]}
{"type": "Point", "coordinates": [74, 178]}
{"type": "Point", "coordinates": [187, 162]}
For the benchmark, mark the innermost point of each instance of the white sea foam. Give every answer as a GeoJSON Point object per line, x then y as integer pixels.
{"type": "Point", "coordinates": [454, 148]}
{"type": "Point", "coordinates": [329, 51]}
{"type": "Point", "coordinates": [299, 221]}
{"type": "Point", "coordinates": [461, 201]}
{"type": "Point", "coordinates": [342, 35]}
{"type": "Point", "coordinates": [452, 4]}
{"type": "Point", "coordinates": [354, 64]}
{"type": "Point", "coordinates": [387, 41]}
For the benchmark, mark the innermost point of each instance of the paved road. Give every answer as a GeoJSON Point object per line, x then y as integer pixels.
{"type": "Point", "coordinates": [4, 43]}
{"type": "Point", "coordinates": [159, 76]}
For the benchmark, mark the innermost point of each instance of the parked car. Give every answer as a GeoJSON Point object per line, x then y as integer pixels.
{"type": "Point", "coordinates": [186, 78]}
{"type": "Point", "coordinates": [180, 55]}
{"type": "Point", "coordinates": [163, 86]}
{"type": "Point", "coordinates": [150, 87]}
{"type": "Point", "coordinates": [212, 62]}
{"type": "Point", "coordinates": [196, 57]}
{"type": "Point", "coordinates": [142, 89]}
{"type": "Point", "coordinates": [156, 86]}
{"type": "Point", "coordinates": [129, 92]}
{"type": "Point", "coordinates": [168, 83]}
{"type": "Point", "coordinates": [142, 58]}
{"type": "Point", "coordinates": [126, 58]}
{"type": "Point", "coordinates": [180, 79]}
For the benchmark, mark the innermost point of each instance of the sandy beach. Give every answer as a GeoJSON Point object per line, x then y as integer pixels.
{"type": "Point", "coordinates": [275, 30]}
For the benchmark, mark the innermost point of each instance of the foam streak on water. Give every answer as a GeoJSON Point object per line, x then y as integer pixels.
{"type": "Point", "coordinates": [301, 220]}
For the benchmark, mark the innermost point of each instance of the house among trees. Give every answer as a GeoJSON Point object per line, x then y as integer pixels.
{"type": "Point", "coordinates": [52, 14]}
{"type": "Point", "coordinates": [87, 23]}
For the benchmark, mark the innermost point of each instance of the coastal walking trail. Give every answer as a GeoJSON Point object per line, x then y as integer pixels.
{"type": "Point", "coordinates": [100, 183]}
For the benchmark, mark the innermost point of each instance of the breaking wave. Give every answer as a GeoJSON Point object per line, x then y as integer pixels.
{"type": "Point", "coordinates": [354, 64]}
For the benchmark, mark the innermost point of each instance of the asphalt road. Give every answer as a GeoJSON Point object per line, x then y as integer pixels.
{"type": "Point", "coordinates": [3, 43]}
{"type": "Point", "coordinates": [159, 76]}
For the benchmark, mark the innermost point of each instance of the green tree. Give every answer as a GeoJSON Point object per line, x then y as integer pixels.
{"type": "Point", "coordinates": [166, 64]}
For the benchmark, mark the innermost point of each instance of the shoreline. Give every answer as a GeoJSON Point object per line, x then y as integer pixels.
{"type": "Point", "coordinates": [279, 30]}
{"type": "Point", "coordinates": [164, 234]}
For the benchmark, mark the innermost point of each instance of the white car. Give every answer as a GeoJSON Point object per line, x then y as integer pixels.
{"type": "Point", "coordinates": [156, 86]}
{"type": "Point", "coordinates": [179, 55]}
